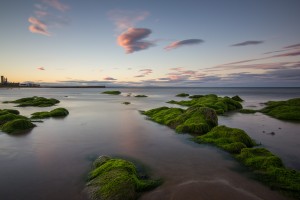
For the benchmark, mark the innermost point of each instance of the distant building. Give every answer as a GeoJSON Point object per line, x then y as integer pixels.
{"type": "Point", "coordinates": [5, 83]}
{"type": "Point", "coordinates": [29, 84]}
{"type": "Point", "coordinates": [3, 80]}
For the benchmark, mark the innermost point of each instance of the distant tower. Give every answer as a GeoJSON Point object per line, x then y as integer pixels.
{"type": "Point", "coordinates": [2, 80]}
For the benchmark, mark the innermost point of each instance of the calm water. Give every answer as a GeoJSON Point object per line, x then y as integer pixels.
{"type": "Point", "coordinates": [52, 161]}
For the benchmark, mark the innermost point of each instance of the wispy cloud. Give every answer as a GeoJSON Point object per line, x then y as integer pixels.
{"type": "Point", "coordinates": [246, 43]}
{"type": "Point", "coordinates": [244, 61]}
{"type": "Point", "coordinates": [294, 46]}
{"type": "Point", "coordinates": [109, 78]}
{"type": "Point", "coordinates": [125, 19]}
{"type": "Point", "coordinates": [270, 52]}
{"type": "Point", "coordinates": [132, 39]}
{"type": "Point", "coordinates": [287, 48]}
{"type": "Point", "coordinates": [289, 54]}
{"type": "Point", "coordinates": [57, 5]}
{"type": "Point", "coordinates": [38, 26]}
{"type": "Point", "coordinates": [181, 43]}
{"type": "Point", "coordinates": [144, 72]}
{"type": "Point", "coordinates": [294, 53]}
{"type": "Point", "coordinates": [45, 18]}
{"type": "Point", "coordinates": [41, 68]}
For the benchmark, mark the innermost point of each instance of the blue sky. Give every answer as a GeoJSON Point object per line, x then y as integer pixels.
{"type": "Point", "coordinates": [151, 43]}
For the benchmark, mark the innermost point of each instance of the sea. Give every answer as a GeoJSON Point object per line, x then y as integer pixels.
{"type": "Point", "coordinates": [52, 161]}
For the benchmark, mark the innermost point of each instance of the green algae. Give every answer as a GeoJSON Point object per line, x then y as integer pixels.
{"type": "Point", "coordinates": [284, 110]}
{"type": "Point", "coordinates": [237, 98]}
{"type": "Point", "coordinates": [194, 120]}
{"type": "Point", "coordinates": [196, 96]}
{"type": "Point", "coordinates": [247, 111]}
{"type": "Point", "coordinates": [259, 158]}
{"type": "Point", "coordinates": [58, 112]}
{"type": "Point", "coordinates": [220, 104]}
{"type": "Point", "coordinates": [17, 126]}
{"type": "Point", "coordinates": [232, 140]}
{"type": "Point", "coordinates": [267, 167]}
{"type": "Point", "coordinates": [270, 170]}
{"type": "Point", "coordinates": [9, 117]}
{"type": "Point", "coordinates": [34, 101]}
{"type": "Point", "coordinates": [6, 111]}
{"type": "Point", "coordinates": [117, 179]}
{"type": "Point", "coordinates": [112, 92]}
{"type": "Point", "coordinates": [141, 95]}
{"type": "Point", "coordinates": [182, 95]}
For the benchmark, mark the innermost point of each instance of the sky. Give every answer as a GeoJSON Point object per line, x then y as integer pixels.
{"type": "Point", "coordinates": [190, 43]}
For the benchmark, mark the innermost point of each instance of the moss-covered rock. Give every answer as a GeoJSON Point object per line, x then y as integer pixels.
{"type": "Point", "coordinates": [285, 110]}
{"type": "Point", "coordinates": [195, 120]}
{"type": "Point", "coordinates": [34, 101]}
{"type": "Point", "coordinates": [16, 126]}
{"type": "Point", "coordinates": [5, 111]}
{"type": "Point", "coordinates": [141, 95]}
{"type": "Point", "coordinates": [232, 140]}
{"type": "Point", "coordinates": [259, 158]}
{"type": "Point", "coordinates": [237, 98]}
{"type": "Point", "coordinates": [112, 92]}
{"type": "Point", "coordinates": [117, 179]}
{"type": "Point", "coordinates": [270, 170]}
{"type": "Point", "coordinates": [58, 112]}
{"type": "Point", "coordinates": [247, 111]}
{"type": "Point", "coordinates": [182, 95]}
{"type": "Point", "coordinates": [196, 96]}
{"type": "Point", "coordinates": [9, 117]}
{"type": "Point", "coordinates": [220, 104]}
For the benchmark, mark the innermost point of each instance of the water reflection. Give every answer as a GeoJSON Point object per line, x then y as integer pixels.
{"type": "Point", "coordinates": [51, 161]}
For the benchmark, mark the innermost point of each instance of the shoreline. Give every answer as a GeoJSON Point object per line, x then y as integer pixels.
{"type": "Point", "coordinates": [56, 87]}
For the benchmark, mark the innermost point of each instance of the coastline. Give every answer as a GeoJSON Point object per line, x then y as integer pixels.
{"type": "Point", "coordinates": [62, 86]}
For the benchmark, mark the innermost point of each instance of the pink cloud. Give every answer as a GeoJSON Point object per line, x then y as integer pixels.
{"type": "Point", "coordinates": [295, 53]}
{"type": "Point", "coordinates": [124, 19]}
{"type": "Point", "coordinates": [41, 68]}
{"type": "Point", "coordinates": [109, 78]}
{"type": "Point", "coordinates": [295, 46]}
{"type": "Point", "coordinates": [176, 68]}
{"type": "Point", "coordinates": [177, 44]}
{"type": "Point", "coordinates": [144, 72]}
{"type": "Point", "coordinates": [57, 5]}
{"type": "Point", "coordinates": [132, 39]}
{"type": "Point", "coordinates": [37, 26]}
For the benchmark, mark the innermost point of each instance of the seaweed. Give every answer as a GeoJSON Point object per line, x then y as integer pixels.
{"type": "Point", "coordinates": [269, 169]}
{"type": "Point", "coordinates": [58, 112]}
{"type": "Point", "coordinates": [114, 179]}
{"type": "Point", "coordinates": [34, 101]}
{"type": "Point", "coordinates": [237, 98]}
{"type": "Point", "coordinates": [232, 140]}
{"type": "Point", "coordinates": [182, 95]}
{"type": "Point", "coordinates": [17, 126]}
{"type": "Point", "coordinates": [196, 96]}
{"type": "Point", "coordinates": [195, 120]}
{"type": "Point", "coordinates": [141, 95]}
{"type": "Point", "coordinates": [284, 110]}
{"type": "Point", "coordinates": [6, 111]}
{"type": "Point", "coordinates": [9, 117]}
{"type": "Point", "coordinates": [112, 92]}
{"type": "Point", "coordinates": [247, 111]}
{"type": "Point", "coordinates": [220, 104]}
